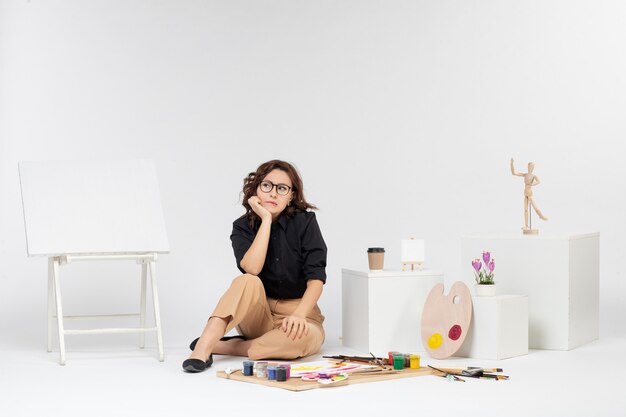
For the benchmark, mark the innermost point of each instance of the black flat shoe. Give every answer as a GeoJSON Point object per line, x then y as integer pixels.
{"type": "Point", "coordinates": [196, 365]}
{"type": "Point", "coordinates": [192, 346]}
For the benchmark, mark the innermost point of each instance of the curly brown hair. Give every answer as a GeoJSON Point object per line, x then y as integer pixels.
{"type": "Point", "coordinates": [253, 179]}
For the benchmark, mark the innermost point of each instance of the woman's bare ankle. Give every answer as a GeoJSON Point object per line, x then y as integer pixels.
{"type": "Point", "coordinates": [199, 354]}
{"type": "Point", "coordinates": [232, 347]}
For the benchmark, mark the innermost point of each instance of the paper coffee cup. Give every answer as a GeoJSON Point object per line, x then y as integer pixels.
{"type": "Point", "coordinates": [376, 258]}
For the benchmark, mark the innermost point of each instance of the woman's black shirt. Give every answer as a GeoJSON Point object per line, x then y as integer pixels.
{"type": "Point", "coordinates": [296, 253]}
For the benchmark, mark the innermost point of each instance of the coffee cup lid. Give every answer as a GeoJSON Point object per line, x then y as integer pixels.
{"type": "Point", "coordinates": [375, 250]}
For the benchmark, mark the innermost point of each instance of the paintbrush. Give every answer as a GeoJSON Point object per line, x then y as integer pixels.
{"type": "Point", "coordinates": [474, 373]}
{"type": "Point", "coordinates": [373, 360]}
{"type": "Point", "coordinates": [465, 372]}
{"type": "Point", "coordinates": [486, 369]}
{"type": "Point", "coordinates": [495, 377]}
{"type": "Point", "coordinates": [360, 359]}
{"type": "Point", "coordinates": [446, 374]}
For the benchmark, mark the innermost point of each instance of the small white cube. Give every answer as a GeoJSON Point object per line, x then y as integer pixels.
{"type": "Point", "coordinates": [499, 328]}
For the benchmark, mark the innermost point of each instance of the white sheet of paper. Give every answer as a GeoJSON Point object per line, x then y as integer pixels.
{"type": "Point", "coordinates": [300, 369]}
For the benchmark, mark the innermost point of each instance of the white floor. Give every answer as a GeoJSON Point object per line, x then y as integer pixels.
{"type": "Point", "coordinates": [123, 381]}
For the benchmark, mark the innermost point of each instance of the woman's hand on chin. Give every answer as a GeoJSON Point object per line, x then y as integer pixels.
{"type": "Point", "coordinates": [262, 212]}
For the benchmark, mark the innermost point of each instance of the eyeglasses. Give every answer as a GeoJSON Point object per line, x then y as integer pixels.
{"type": "Point", "coordinates": [281, 189]}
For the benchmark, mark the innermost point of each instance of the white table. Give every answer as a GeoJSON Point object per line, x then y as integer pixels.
{"type": "Point", "coordinates": [382, 311]}
{"type": "Point", "coordinates": [558, 273]}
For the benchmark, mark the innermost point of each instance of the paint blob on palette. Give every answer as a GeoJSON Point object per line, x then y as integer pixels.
{"type": "Point", "coordinates": [446, 320]}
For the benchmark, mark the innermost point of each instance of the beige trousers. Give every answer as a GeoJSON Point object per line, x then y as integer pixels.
{"type": "Point", "coordinates": [259, 318]}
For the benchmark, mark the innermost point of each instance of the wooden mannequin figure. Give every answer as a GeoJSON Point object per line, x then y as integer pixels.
{"type": "Point", "coordinates": [530, 180]}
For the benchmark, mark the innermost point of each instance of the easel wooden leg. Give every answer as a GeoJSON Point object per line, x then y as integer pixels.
{"type": "Point", "coordinates": [142, 305]}
{"type": "Point", "coordinates": [157, 313]}
{"type": "Point", "coordinates": [59, 309]}
{"type": "Point", "coordinates": [50, 302]}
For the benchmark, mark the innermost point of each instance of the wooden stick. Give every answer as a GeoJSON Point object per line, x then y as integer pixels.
{"type": "Point", "coordinates": [376, 371]}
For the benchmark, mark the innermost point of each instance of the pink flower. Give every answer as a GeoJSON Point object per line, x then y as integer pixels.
{"type": "Point", "coordinates": [486, 257]}
{"type": "Point", "coordinates": [476, 264]}
{"type": "Point", "coordinates": [483, 269]}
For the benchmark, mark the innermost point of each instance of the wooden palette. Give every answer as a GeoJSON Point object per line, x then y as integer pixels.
{"type": "Point", "coordinates": [297, 384]}
{"type": "Point", "coordinates": [446, 320]}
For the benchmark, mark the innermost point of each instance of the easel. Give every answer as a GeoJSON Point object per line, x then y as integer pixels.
{"type": "Point", "coordinates": [55, 305]}
{"type": "Point", "coordinates": [412, 253]}
{"type": "Point", "coordinates": [413, 264]}
{"type": "Point", "coordinates": [77, 211]}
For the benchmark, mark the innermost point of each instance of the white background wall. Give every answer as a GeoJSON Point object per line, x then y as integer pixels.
{"type": "Point", "coordinates": [400, 115]}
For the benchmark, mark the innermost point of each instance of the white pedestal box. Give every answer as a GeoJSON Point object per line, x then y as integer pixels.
{"type": "Point", "coordinates": [560, 275]}
{"type": "Point", "coordinates": [382, 311]}
{"type": "Point", "coordinates": [499, 328]}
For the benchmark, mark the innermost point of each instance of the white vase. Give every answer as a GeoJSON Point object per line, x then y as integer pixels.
{"type": "Point", "coordinates": [485, 290]}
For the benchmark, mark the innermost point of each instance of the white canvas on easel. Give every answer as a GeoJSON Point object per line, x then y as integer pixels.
{"type": "Point", "coordinates": [94, 210]}
{"type": "Point", "coordinates": [92, 207]}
